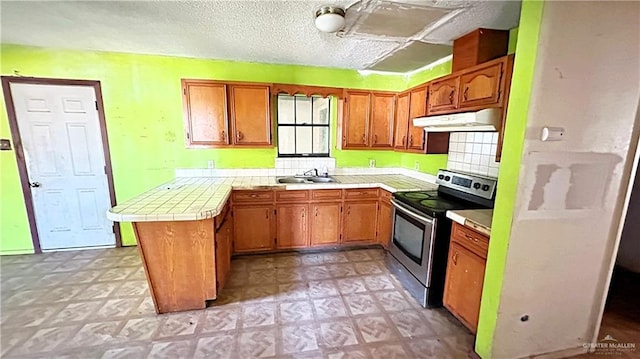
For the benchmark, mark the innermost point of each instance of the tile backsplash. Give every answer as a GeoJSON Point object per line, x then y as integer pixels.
{"type": "Point", "coordinates": [299, 165]}
{"type": "Point", "coordinates": [474, 152]}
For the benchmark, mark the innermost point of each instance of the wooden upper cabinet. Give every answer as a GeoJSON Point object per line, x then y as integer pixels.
{"type": "Point", "coordinates": [381, 124]}
{"type": "Point", "coordinates": [481, 87]}
{"type": "Point", "coordinates": [355, 131]}
{"type": "Point", "coordinates": [205, 113]}
{"type": "Point", "coordinates": [250, 114]}
{"type": "Point", "coordinates": [417, 108]}
{"type": "Point", "coordinates": [402, 122]}
{"type": "Point", "coordinates": [443, 95]}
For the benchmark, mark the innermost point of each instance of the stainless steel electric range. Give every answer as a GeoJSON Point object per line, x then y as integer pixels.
{"type": "Point", "coordinates": [420, 242]}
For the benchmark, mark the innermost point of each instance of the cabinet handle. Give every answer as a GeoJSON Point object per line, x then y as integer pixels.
{"type": "Point", "coordinates": [316, 212]}
{"type": "Point", "coordinates": [303, 213]}
{"type": "Point", "coordinates": [240, 136]}
{"type": "Point", "coordinates": [466, 93]}
{"type": "Point", "coordinates": [267, 212]}
{"type": "Point", "coordinates": [364, 139]}
{"type": "Point", "coordinates": [455, 258]}
{"type": "Point", "coordinates": [224, 135]}
{"type": "Point", "coordinates": [451, 97]}
{"type": "Point", "coordinates": [404, 139]}
{"type": "Point", "coordinates": [375, 138]}
{"type": "Point", "coordinates": [471, 238]}
{"type": "Point", "coordinates": [411, 140]}
{"type": "Point", "coordinates": [348, 210]}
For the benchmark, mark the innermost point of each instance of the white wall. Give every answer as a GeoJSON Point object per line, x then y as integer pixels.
{"type": "Point", "coordinates": [571, 193]}
{"type": "Point", "coordinates": [629, 251]}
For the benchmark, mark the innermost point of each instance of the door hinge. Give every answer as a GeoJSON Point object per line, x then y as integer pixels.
{"type": "Point", "coordinates": [113, 228]}
{"type": "Point", "coordinates": [96, 102]}
{"type": "Point", "coordinates": [499, 93]}
{"type": "Point", "coordinates": [184, 91]}
{"type": "Point", "coordinates": [187, 135]}
{"type": "Point", "coordinates": [105, 169]}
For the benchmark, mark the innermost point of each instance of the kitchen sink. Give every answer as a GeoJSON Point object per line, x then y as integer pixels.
{"type": "Point", "coordinates": [306, 179]}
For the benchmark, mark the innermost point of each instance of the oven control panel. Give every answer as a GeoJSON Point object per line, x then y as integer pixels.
{"type": "Point", "coordinates": [484, 187]}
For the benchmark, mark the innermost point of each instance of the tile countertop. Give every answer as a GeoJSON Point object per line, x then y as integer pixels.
{"type": "Point", "coordinates": [477, 219]}
{"type": "Point", "coordinates": [196, 198]}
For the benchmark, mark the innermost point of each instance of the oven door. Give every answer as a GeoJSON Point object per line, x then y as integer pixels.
{"type": "Point", "coordinates": [412, 241]}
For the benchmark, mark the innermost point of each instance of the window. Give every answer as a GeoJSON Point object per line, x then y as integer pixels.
{"type": "Point", "coordinates": [303, 126]}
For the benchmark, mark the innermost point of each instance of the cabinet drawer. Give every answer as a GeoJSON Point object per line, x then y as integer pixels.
{"type": "Point", "coordinates": [470, 239]}
{"type": "Point", "coordinates": [292, 196]}
{"type": "Point", "coordinates": [326, 194]}
{"type": "Point", "coordinates": [385, 196]}
{"type": "Point", "coordinates": [252, 196]}
{"type": "Point", "coordinates": [361, 193]}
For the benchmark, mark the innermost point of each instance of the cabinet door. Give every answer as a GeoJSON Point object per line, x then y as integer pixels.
{"type": "Point", "coordinates": [417, 108]}
{"type": "Point", "coordinates": [443, 95]}
{"type": "Point", "coordinates": [355, 127]}
{"type": "Point", "coordinates": [359, 221]}
{"type": "Point", "coordinates": [223, 251]}
{"type": "Point", "coordinates": [382, 113]}
{"type": "Point", "coordinates": [253, 228]}
{"type": "Point", "coordinates": [463, 285]}
{"type": "Point", "coordinates": [385, 223]}
{"type": "Point", "coordinates": [205, 113]}
{"type": "Point", "coordinates": [481, 87]}
{"type": "Point", "coordinates": [291, 226]}
{"type": "Point", "coordinates": [325, 223]}
{"type": "Point", "coordinates": [402, 122]}
{"type": "Point", "coordinates": [250, 115]}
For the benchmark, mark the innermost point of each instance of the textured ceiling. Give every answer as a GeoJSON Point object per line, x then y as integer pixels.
{"type": "Point", "coordinates": [272, 31]}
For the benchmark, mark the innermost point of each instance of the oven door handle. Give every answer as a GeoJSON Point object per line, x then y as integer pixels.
{"type": "Point", "coordinates": [410, 213]}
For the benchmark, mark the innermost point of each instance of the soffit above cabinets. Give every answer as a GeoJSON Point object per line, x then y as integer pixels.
{"type": "Point", "coordinates": [280, 31]}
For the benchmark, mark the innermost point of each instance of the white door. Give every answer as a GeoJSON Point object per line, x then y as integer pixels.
{"type": "Point", "coordinates": [62, 143]}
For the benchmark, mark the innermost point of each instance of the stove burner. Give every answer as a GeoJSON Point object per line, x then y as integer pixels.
{"type": "Point", "coordinates": [417, 195]}
{"type": "Point", "coordinates": [436, 204]}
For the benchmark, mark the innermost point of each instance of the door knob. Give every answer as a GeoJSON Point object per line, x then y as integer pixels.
{"type": "Point", "coordinates": [35, 184]}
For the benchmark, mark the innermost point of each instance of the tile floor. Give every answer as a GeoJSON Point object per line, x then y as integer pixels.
{"type": "Point", "coordinates": [96, 304]}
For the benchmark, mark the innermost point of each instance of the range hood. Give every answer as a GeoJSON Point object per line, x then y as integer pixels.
{"type": "Point", "coordinates": [484, 120]}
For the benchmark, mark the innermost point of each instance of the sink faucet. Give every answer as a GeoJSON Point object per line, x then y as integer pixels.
{"type": "Point", "coordinates": [310, 172]}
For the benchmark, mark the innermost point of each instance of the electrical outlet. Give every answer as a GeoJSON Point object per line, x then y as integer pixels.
{"type": "Point", "coordinates": [210, 164]}
{"type": "Point", "coordinates": [372, 163]}
{"type": "Point", "coordinates": [416, 166]}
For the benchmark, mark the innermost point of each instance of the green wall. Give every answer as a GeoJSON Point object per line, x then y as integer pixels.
{"type": "Point", "coordinates": [526, 49]}
{"type": "Point", "coordinates": [143, 108]}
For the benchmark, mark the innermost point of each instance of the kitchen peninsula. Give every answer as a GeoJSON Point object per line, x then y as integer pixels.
{"type": "Point", "coordinates": [187, 229]}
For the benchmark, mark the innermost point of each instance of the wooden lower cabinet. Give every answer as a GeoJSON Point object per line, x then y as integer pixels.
{"type": "Point", "coordinates": [253, 228]}
{"type": "Point", "coordinates": [464, 281]}
{"type": "Point", "coordinates": [178, 258]}
{"type": "Point", "coordinates": [292, 226]}
{"type": "Point", "coordinates": [223, 250]}
{"type": "Point", "coordinates": [359, 221]}
{"type": "Point", "coordinates": [385, 223]}
{"type": "Point", "coordinates": [325, 223]}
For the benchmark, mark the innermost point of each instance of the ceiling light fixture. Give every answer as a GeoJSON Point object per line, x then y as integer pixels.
{"type": "Point", "coordinates": [330, 19]}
